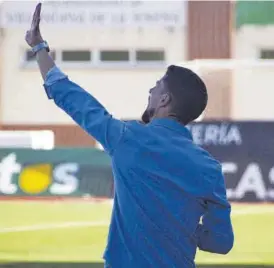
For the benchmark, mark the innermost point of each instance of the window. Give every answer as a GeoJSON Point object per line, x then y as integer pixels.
{"type": "Point", "coordinates": [76, 56]}
{"type": "Point", "coordinates": [267, 54]}
{"type": "Point", "coordinates": [30, 57]}
{"type": "Point", "coordinates": [105, 58]}
{"type": "Point", "coordinates": [114, 55]}
{"type": "Point", "coordinates": [150, 55]}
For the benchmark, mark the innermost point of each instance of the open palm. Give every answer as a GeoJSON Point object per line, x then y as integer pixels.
{"type": "Point", "coordinates": [33, 36]}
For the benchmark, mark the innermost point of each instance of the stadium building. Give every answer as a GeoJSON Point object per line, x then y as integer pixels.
{"type": "Point", "coordinates": [117, 50]}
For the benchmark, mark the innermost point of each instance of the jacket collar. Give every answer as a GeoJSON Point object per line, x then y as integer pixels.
{"type": "Point", "coordinates": [172, 124]}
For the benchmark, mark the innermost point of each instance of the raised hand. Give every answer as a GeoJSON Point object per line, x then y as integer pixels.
{"type": "Point", "coordinates": [33, 36]}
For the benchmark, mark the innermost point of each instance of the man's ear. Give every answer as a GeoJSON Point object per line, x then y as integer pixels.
{"type": "Point", "coordinates": [165, 99]}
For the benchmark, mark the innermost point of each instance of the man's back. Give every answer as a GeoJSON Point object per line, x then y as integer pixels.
{"type": "Point", "coordinates": [163, 185]}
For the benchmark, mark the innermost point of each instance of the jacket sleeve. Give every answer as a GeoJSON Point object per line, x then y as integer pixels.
{"type": "Point", "coordinates": [215, 234]}
{"type": "Point", "coordinates": [84, 109]}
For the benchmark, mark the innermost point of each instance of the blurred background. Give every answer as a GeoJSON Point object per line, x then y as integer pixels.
{"type": "Point", "coordinates": [56, 183]}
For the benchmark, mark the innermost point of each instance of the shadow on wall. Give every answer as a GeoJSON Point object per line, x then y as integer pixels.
{"type": "Point", "coordinates": [100, 265]}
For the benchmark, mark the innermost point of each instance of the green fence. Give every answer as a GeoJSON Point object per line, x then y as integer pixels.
{"type": "Point", "coordinates": [58, 172]}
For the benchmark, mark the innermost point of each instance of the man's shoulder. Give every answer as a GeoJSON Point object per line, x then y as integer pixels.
{"type": "Point", "coordinates": [136, 129]}
{"type": "Point", "coordinates": [135, 124]}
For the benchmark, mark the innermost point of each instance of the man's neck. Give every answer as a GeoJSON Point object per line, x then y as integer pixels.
{"type": "Point", "coordinates": [174, 117]}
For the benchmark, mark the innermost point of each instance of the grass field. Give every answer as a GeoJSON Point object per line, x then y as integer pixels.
{"type": "Point", "coordinates": [76, 231]}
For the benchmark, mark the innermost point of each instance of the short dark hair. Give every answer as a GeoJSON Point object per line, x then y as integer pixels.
{"type": "Point", "coordinates": [188, 91]}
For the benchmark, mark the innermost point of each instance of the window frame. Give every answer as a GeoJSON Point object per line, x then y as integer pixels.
{"type": "Point", "coordinates": [114, 61]}
{"type": "Point", "coordinates": [96, 63]}
{"type": "Point", "coordinates": [266, 50]}
{"type": "Point", "coordinates": [79, 61]}
{"type": "Point", "coordinates": [150, 62]}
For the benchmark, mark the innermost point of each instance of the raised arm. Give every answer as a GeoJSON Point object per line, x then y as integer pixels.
{"type": "Point", "coordinates": [215, 234]}
{"type": "Point", "coordinates": [35, 41]}
{"type": "Point", "coordinates": [83, 108]}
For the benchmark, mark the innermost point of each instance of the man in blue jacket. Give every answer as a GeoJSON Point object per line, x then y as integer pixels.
{"type": "Point", "coordinates": [164, 183]}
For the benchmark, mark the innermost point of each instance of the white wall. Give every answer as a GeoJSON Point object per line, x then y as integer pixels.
{"type": "Point", "coordinates": [123, 91]}
{"type": "Point", "coordinates": [253, 87]}
{"type": "Point", "coordinates": [249, 40]}
{"type": "Point", "coordinates": [253, 94]}
{"type": "Point", "coordinates": [71, 25]}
